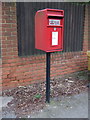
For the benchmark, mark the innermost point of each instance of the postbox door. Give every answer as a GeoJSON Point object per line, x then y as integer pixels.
{"type": "Point", "coordinates": [55, 38]}
{"type": "Point", "coordinates": [55, 32]}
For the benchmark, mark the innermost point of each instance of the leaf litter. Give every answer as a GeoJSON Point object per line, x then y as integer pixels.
{"type": "Point", "coordinates": [31, 98]}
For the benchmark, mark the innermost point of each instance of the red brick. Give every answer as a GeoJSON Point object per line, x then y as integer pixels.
{"type": "Point", "coordinates": [14, 33]}
{"type": "Point", "coordinates": [6, 25]}
{"type": "Point", "coordinates": [14, 25]}
{"type": "Point", "coordinates": [12, 9]}
{"type": "Point", "coordinates": [6, 33]}
{"type": "Point", "coordinates": [12, 37]}
{"type": "Point", "coordinates": [4, 38]}
{"type": "Point", "coordinates": [10, 21]}
{"type": "Point", "coordinates": [5, 8]}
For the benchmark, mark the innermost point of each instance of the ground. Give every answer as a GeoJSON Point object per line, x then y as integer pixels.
{"type": "Point", "coordinates": [27, 100]}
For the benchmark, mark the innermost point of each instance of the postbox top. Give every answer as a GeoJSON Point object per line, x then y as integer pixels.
{"type": "Point", "coordinates": [49, 9]}
{"type": "Point", "coordinates": [52, 12]}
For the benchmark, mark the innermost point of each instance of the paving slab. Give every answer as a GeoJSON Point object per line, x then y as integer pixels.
{"type": "Point", "coordinates": [3, 103]}
{"type": "Point", "coordinates": [66, 107]}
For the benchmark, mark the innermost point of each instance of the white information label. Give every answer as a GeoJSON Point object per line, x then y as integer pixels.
{"type": "Point", "coordinates": [54, 22]}
{"type": "Point", "coordinates": [54, 38]}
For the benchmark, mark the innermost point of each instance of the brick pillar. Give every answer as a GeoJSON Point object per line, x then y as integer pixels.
{"type": "Point", "coordinates": [0, 46]}
{"type": "Point", "coordinates": [9, 41]}
{"type": "Point", "coordinates": [85, 42]}
{"type": "Point", "coordinates": [89, 27]}
{"type": "Point", "coordinates": [9, 31]}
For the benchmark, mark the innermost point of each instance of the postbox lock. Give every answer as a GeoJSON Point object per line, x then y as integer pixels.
{"type": "Point", "coordinates": [54, 28]}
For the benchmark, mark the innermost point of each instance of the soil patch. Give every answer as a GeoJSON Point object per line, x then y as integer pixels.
{"type": "Point", "coordinates": [31, 98]}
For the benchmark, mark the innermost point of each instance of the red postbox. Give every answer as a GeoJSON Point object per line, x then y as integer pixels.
{"type": "Point", "coordinates": [49, 25]}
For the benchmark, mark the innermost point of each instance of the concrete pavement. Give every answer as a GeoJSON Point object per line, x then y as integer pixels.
{"type": "Point", "coordinates": [64, 107]}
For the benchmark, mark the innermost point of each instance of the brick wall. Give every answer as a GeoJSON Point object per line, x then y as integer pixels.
{"type": "Point", "coordinates": [17, 71]}
{"type": "Point", "coordinates": [89, 27]}
{"type": "Point", "coordinates": [86, 29]}
{"type": "Point", "coordinates": [0, 46]}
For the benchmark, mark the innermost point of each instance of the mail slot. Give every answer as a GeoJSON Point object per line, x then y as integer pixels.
{"type": "Point", "coordinates": [49, 27]}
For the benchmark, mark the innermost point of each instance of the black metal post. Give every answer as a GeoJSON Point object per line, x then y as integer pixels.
{"type": "Point", "coordinates": [48, 77]}
{"type": "Point", "coordinates": [88, 79]}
